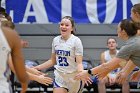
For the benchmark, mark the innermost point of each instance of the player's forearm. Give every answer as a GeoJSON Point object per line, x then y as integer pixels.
{"type": "Point", "coordinates": [23, 78]}
{"type": "Point", "coordinates": [20, 71]}
{"type": "Point", "coordinates": [24, 87]}
{"type": "Point", "coordinates": [45, 65]}
{"type": "Point", "coordinates": [80, 67]}
{"type": "Point", "coordinates": [79, 60]}
{"type": "Point", "coordinates": [106, 67]}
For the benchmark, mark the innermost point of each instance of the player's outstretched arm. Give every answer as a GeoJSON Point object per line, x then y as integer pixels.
{"type": "Point", "coordinates": [45, 65]}
{"type": "Point", "coordinates": [100, 71]}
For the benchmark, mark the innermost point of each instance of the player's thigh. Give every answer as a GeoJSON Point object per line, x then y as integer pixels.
{"type": "Point", "coordinates": [76, 87]}
{"type": "Point", "coordinates": [60, 90]}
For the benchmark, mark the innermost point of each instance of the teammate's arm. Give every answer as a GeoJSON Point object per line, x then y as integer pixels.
{"type": "Point", "coordinates": [124, 73]}
{"type": "Point", "coordinates": [17, 56]}
{"type": "Point", "coordinates": [79, 59]}
{"type": "Point", "coordinates": [45, 65]}
{"type": "Point", "coordinates": [102, 70]}
{"type": "Point", "coordinates": [18, 60]}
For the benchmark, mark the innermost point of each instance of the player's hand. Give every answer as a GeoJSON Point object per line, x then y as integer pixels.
{"type": "Point", "coordinates": [84, 76]}
{"type": "Point", "coordinates": [121, 77]}
{"type": "Point", "coordinates": [34, 71]}
{"type": "Point", "coordinates": [112, 79]}
{"type": "Point", "coordinates": [43, 79]}
{"type": "Point", "coordinates": [88, 81]}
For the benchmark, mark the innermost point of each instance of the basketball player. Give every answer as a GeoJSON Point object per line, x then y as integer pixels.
{"type": "Point", "coordinates": [135, 15]}
{"type": "Point", "coordinates": [32, 73]}
{"type": "Point", "coordinates": [130, 52]}
{"type": "Point", "coordinates": [10, 44]}
{"type": "Point", "coordinates": [67, 53]}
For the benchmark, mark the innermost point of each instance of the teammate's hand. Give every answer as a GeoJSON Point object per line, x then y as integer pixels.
{"type": "Point", "coordinates": [34, 71]}
{"type": "Point", "coordinates": [112, 79]}
{"type": "Point", "coordinates": [84, 76]}
{"type": "Point", "coordinates": [43, 79]}
{"type": "Point", "coordinates": [121, 77]}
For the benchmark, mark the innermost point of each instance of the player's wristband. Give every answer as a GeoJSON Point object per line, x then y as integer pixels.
{"type": "Point", "coordinates": [90, 72]}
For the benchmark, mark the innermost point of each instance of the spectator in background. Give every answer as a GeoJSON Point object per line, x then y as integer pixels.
{"type": "Point", "coordinates": [110, 79]}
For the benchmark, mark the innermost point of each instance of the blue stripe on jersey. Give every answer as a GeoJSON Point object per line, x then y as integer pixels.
{"type": "Point", "coordinates": [80, 87]}
{"type": "Point", "coordinates": [55, 84]}
{"type": "Point", "coordinates": [6, 73]}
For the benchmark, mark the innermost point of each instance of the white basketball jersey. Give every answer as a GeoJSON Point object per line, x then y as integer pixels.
{"type": "Point", "coordinates": [66, 52]}
{"type": "Point", "coordinates": [108, 57]}
{"type": "Point", "coordinates": [4, 69]}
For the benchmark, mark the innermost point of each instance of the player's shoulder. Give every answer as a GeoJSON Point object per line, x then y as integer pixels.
{"type": "Point", "coordinates": [9, 32]}
{"type": "Point", "coordinates": [75, 37]}
{"type": "Point", "coordinates": [56, 38]}
{"type": "Point", "coordinates": [10, 35]}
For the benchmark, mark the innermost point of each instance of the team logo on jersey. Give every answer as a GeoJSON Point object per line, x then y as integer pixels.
{"type": "Point", "coordinates": [62, 52]}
